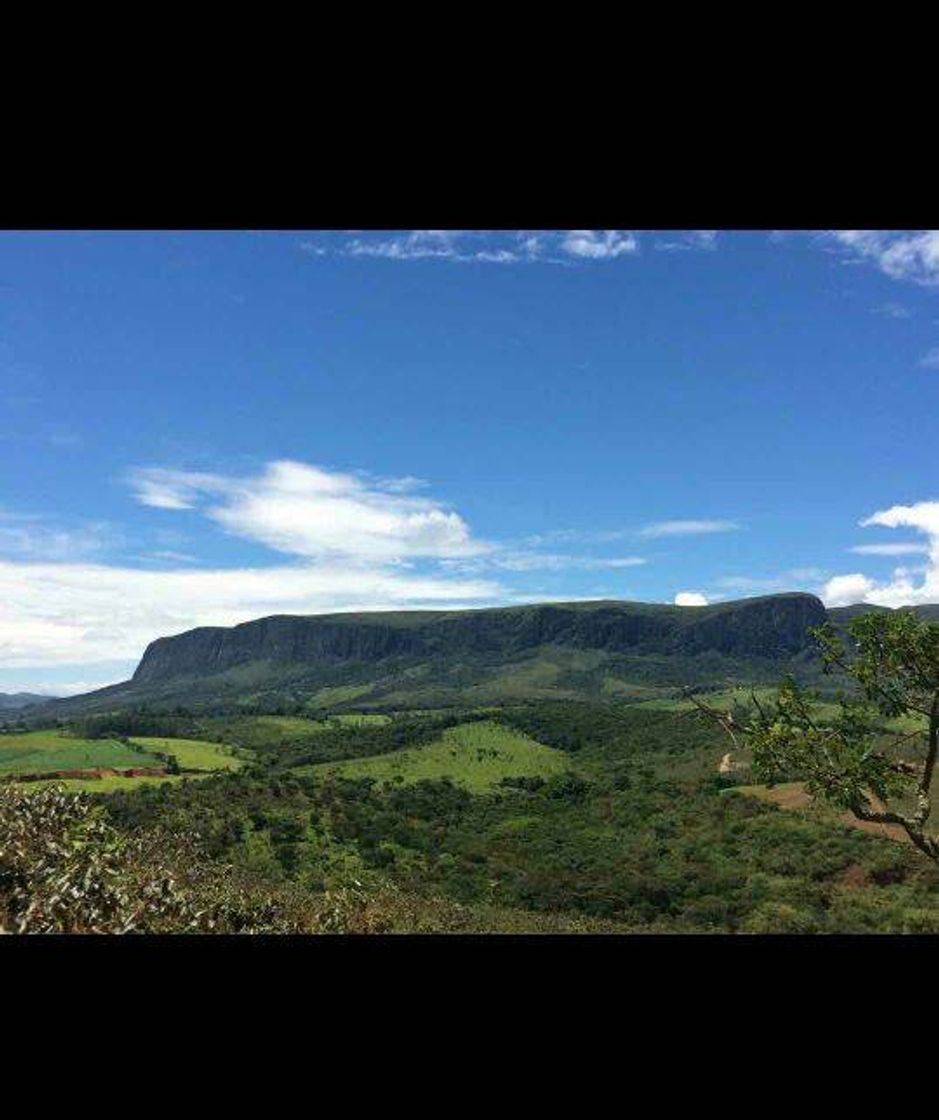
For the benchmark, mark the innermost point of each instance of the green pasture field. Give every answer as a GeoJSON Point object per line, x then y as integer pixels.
{"type": "Point", "coordinates": [476, 756]}
{"type": "Point", "coordinates": [192, 754]}
{"type": "Point", "coordinates": [36, 751]}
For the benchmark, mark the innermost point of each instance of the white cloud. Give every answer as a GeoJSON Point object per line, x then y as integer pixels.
{"type": "Point", "coordinates": [902, 589]}
{"type": "Point", "coordinates": [901, 254]}
{"type": "Point", "coordinates": [311, 512]}
{"type": "Point", "coordinates": [842, 591]}
{"type": "Point", "coordinates": [690, 599]}
{"type": "Point", "coordinates": [599, 244]}
{"type": "Point", "coordinates": [56, 614]}
{"type": "Point", "coordinates": [687, 528]}
{"type": "Point", "coordinates": [930, 360]}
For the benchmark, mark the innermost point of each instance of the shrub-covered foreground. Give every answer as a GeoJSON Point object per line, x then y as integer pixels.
{"type": "Point", "coordinates": [638, 832]}
{"type": "Point", "coordinates": [64, 868]}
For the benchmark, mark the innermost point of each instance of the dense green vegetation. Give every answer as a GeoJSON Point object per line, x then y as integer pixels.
{"type": "Point", "coordinates": [636, 830]}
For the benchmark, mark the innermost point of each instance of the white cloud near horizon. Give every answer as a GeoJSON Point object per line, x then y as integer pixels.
{"type": "Point", "coordinates": [903, 588]}
{"type": "Point", "coordinates": [67, 614]}
{"type": "Point", "coordinates": [687, 528]}
{"type": "Point", "coordinates": [690, 599]}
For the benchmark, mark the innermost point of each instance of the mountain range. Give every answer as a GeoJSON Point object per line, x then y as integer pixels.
{"type": "Point", "coordinates": [398, 659]}
{"type": "Point", "coordinates": [10, 701]}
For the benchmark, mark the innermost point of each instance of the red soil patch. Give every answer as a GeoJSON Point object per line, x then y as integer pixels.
{"type": "Point", "coordinates": [853, 876]}
{"type": "Point", "coordinates": [792, 795]}
{"type": "Point", "coordinates": [96, 772]}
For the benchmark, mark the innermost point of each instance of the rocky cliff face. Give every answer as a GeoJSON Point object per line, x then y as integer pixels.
{"type": "Point", "coordinates": [773, 626]}
{"type": "Point", "coordinates": [281, 639]}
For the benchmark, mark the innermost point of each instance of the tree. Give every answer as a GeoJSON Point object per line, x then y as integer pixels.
{"type": "Point", "coordinates": [876, 755]}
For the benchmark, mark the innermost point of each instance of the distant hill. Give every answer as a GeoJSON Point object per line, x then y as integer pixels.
{"type": "Point", "coordinates": [12, 700]}
{"type": "Point", "coordinates": [607, 649]}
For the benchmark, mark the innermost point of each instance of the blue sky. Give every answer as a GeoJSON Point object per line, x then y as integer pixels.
{"type": "Point", "coordinates": [205, 428]}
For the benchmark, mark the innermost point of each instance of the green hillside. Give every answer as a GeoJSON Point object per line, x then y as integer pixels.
{"type": "Point", "coordinates": [477, 756]}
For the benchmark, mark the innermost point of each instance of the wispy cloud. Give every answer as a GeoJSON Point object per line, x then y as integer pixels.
{"type": "Point", "coordinates": [687, 528]}
{"type": "Point", "coordinates": [32, 537]}
{"type": "Point", "coordinates": [893, 311]}
{"type": "Point", "coordinates": [930, 360]}
{"type": "Point", "coordinates": [795, 579]}
{"type": "Point", "coordinates": [504, 247]}
{"type": "Point", "coordinates": [509, 560]}
{"type": "Point", "coordinates": [684, 240]}
{"type": "Point", "coordinates": [907, 548]}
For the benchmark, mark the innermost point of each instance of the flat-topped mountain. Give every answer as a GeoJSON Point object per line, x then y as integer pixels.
{"type": "Point", "coordinates": [773, 626]}
{"type": "Point", "coordinates": [603, 649]}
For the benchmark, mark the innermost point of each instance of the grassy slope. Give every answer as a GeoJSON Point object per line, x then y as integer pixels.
{"type": "Point", "coordinates": [475, 755]}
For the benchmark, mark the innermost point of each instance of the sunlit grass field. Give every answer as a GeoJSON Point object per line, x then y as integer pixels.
{"type": "Point", "coordinates": [476, 756]}
{"type": "Point", "coordinates": [193, 754]}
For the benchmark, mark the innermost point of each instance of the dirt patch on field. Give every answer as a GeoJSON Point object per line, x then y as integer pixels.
{"type": "Point", "coordinates": [854, 877]}
{"type": "Point", "coordinates": [792, 795]}
{"type": "Point", "coordinates": [95, 772]}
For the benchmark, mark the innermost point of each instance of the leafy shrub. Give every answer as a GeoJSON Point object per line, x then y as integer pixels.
{"type": "Point", "coordinates": [65, 869]}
